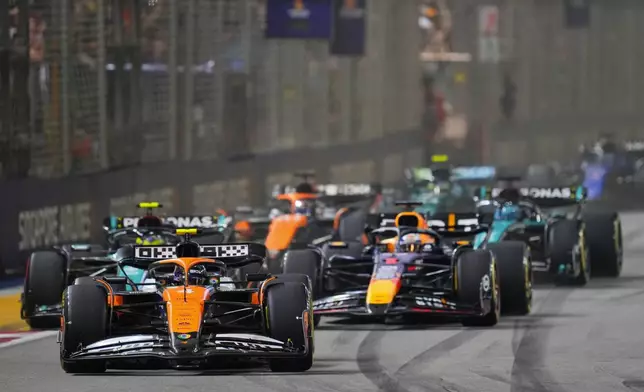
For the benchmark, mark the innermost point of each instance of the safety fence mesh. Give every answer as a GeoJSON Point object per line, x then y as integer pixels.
{"type": "Point", "coordinates": [118, 83]}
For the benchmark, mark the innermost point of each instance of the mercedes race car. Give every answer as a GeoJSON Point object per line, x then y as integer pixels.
{"type": "Point", "coordinates": [564, 236]}
{"type": "Point", "coordinates": [188, 313]}
{"type": "Point", "coordinates": [446, 188]}
{"type": "Point", "coordinates": [49, 271]}
{"type": "Point", "coordinates": [410, 268]}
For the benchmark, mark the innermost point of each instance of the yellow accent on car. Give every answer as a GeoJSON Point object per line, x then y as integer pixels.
{"type": "Point", "coordinates": [440, 158]}
{"type": "Point", "coordinates": [186, 231]}
{"type": "Point", "coordinates": [616, 234]}
{"type": "Point", "coordinates": [381, 292]}
{"type": "Point", "coordinates": [149, 204]}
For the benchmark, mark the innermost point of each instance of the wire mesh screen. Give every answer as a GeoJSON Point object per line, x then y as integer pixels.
{"type": "Point", "coordinates": [125, 82]}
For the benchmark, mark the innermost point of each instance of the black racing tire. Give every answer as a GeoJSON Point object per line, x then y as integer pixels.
{"type": "Point", "coordinates": [563, 238]}
{"type": "Point", "coordinates": [85, 319]}
{"type": "Point", "coordinates": [304, 262]}
{"type": "Point", "coordinates": [515, 273]}
{"type": "Point", "coordinates": [604, 238]}
{"type": "Point", "coordinates": [46, 280]}
{"type": "Point", "coordinates": [472, 268]}
{"type": "Point", "coordinates": [287, 303]}
{"type": "Point", "coordinates": [305, 280]}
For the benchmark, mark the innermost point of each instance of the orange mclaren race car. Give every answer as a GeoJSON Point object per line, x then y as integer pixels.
{"type": "Point", "coordinates": [311, 214]}
{"type": "Point", "coordinates": [50, 271]}
{"type": "Point", "coordinates": [188, 313]}
{"type": "Point", "coordinates": [410, 268]}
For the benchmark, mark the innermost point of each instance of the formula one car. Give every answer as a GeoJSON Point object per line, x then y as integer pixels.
{"type": "Point", "coordinates": [565, 238]}
{"type": "Point", "coordinates": [50, 271]}
{"type": "Point", "coordinates": [610, 167]}
{"type": "Point", "coordinates": [410, 269]}
{"type": "Point", "coordinates": [446, 188]}
{"type": "Point", "coordinates": [188, 313]}
{"type": "Point", "coordinates": [309, 215]}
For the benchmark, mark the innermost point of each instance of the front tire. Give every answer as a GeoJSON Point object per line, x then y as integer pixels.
{"type": "Point", "coordinates": [475, 270]}
{"type": "Point", "coordinates": [288, 305]}
{"type": "Point", "coordinates": [85, 320]}
{"type": "Point", "coordinates": [515, 271]}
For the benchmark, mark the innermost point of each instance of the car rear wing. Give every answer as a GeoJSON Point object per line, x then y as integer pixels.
{"type": "Point", "coordinates": [474, 174]}
{"type": "Point", "coordinates": [350, 189]}
{"type": "Point", "coordinates": [229, 253]}
{"type": "Point", "coordinates": [179, 221]}
{"type": "Point", "coordinates": [454, 222]}
{"type": "Point", "coordinates": [543, 197]}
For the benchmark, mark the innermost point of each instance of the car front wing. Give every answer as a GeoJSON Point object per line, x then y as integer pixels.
{"type": "Point", "coordinates": [439, 303]}
{"type": "Point", "coordinates": [210, 347]}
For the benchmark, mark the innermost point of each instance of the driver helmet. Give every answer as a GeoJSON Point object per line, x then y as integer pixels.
{"type": "Point", "coordinates": [149, 221]}
{"type": "Point", "coordinates": [197, 276]}
{"type": "Point", "coordinates": [303, 207]}
{"type": "Point", "coordinates": [414, 242]}
{"type": "Point", "coordinates": [508, 212]}
{"type": "Point", "coordinates": [150, 239]}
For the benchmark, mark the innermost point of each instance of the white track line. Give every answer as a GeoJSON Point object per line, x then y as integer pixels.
{"type": "Point", "coordinates": [4, 335]}
{"type": "Point", "coordinates": [26, 338]}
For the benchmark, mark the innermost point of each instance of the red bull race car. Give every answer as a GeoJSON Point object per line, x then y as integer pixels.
{"type": "Point", "coordinates": [411, 269]}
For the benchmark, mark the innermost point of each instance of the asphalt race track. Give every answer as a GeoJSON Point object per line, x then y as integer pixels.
{"type": "Point", "coordinates": [585, 339]}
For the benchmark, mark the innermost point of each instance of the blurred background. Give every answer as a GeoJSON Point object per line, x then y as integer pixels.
{"type": "Point", "coordinates": [199, 105]}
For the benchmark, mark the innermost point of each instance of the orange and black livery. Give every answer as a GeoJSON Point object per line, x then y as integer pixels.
{"type": "Point", "coordinates": [312, 212]}
{"type": "Point", "coordinates": [189, 312]}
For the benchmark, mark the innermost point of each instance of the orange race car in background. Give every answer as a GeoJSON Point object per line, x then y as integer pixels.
{"type": "Point", "coordinates": [188, 313]}
{"type": "Point", "coordinates": [309, 214]}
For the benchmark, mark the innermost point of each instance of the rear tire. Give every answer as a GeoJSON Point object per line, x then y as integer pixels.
{"type": "Point", "coordinates": [287, 303]}
{"type": "Point", "coordinates": [44, 285]}
{"type": "Point", "coordinates": [473, 267]}
{"type": "Point", "coordinates": [604, 238]}
{"type": "Point", "coordinates": [85, 322]}
{"type": "Point", "coordinates": [515, 271]}
{"type": "Point", "coordinates": [564, 245]}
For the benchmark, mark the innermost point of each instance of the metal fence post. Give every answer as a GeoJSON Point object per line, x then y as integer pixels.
{"type": "Point", "coordinates": [189, 74]}
{"type": "Point", "coordinates": [102, 85]}
{"type": "Point", "coordinates": [247, 50]}
{"type": "Point", "coordinates": [219, 73]}
{"type": "Point", "coordinates": [64, 76]}
{"type": "Point", "coordinates": [5, 91]}
{"type": "Point", "coordinates": [173, 82]}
